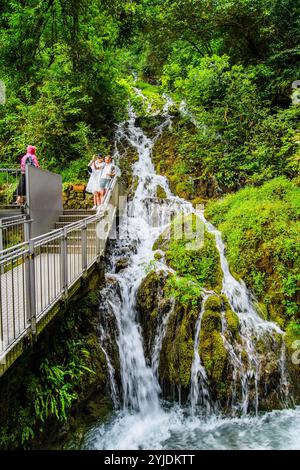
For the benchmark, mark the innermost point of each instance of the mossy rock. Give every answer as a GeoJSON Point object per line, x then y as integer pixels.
{"type": "Point", "coordinates": [152, 305]}
{"type": "Point", "coordinates": [211, 322]}
{"type": "Point", "coordinates": [191, 251]}
{"type": "Point", "coordinates": [158, 255]}
{"type": "Point", "coordinates": [214, 355]}
{"type": "Point", "coordinates": [178, 346]}
{"type": "Point", "coordinates": [161, 193]}
{"type": "Point", "coordinates": [231, 317]}
{"type": "Point", "coordinates": [213, 303]}
{"type": "Point", "coordinates": [147, 293]}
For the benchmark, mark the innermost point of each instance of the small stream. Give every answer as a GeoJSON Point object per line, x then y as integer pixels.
{"type": "Point", "coordinates": [142, 419]}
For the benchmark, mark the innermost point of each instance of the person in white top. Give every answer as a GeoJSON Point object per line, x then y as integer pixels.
{"type": "Point", "coordinates": [95, 169]}
{"type": "Point", "coordinates": [108, 172]}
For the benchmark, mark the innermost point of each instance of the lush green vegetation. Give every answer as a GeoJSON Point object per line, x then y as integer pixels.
{"type": "Point", "coordinates": [63, 63]}
{"type": "Point", "coordinates": [261, 227]}
{"type": "Point", "coordinates": [234, 64]}
{"type": "Point", "coordinates": [191, 251]}
{"type": "Point", "coordinates": [65, 367]}
{"type": "Point", "coordinates": [68, 66]}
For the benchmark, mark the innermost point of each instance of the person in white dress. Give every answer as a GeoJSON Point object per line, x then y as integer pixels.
{"type": "Point", "coordinates": [107, 174]}
{"type": "Point", "coordinates": [95, 169]}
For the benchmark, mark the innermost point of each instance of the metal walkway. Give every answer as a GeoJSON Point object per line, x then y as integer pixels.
{"type": "Point", "coordinates": [38, 274]}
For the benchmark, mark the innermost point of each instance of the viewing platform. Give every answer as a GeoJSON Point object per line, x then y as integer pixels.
{"type": "Point", "coordinates": [56, 251]}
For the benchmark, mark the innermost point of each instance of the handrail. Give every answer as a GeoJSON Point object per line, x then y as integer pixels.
{"type": "Point", "coordinates": [10, 170]}
{"type": "Point", "coordinates": [14, 219]}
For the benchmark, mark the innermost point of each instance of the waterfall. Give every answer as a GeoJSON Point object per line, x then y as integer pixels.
{"type": "Point", "coordinates": [252, 327]}
{"type": "Point", "coordinates": [111, 370]}
{"type": "Point", "coordinates": [143, 416]}
{"type": "Point", "coordinates": [140, 387]}
{"type": "Point", "coordinates": [159, 337]}
{"type": "Point", "coordinates": [199, 381]}
{"type": "Point", "coordinates": [144, 420]}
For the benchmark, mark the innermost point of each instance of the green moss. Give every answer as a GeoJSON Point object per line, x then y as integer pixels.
{"type": "Point", "coordinates": [214, 303]}
{"type": "Point", "coordinates": [190, 250]}
{"type": "Point", "coordinates": [161, 193]}
{"type": "Point", "coordinates": [212, 351]}
{"type": "Point", "coordinates": [147, 294]}
{"type": "Point", "coordinates": [232, 319]}
{"type": "Point", "coordinates": [152, 305]}
{"type": "Point", "coordinates": [184, 290]}
{"type": "Point", "coordinates": [178, 346]}
{"type": "Point", "coordinates": [158, 256]}
{"type": "Point", "coordinates": [214, 357]}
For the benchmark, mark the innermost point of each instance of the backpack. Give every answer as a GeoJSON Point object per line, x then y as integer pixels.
{"type": "Point", "coordinates": [29, 161]}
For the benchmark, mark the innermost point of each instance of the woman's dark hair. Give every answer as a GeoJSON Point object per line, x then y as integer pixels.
{"type": "Point", "coordinates": [99, 155]}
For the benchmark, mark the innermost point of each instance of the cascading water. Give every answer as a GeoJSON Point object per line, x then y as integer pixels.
{"type": "Point", "coordinates": [199, 381]}
{"type": "Point", "coordinates": [139, 383]}
{"type": "Point", "coordinates": [145, 421]}
{"type": "Point", "coordinates": [111, 371]}
{"type": "Point", "coordinates": [252, 327]}
{"type": "Point", "coordinates": [159, 337]}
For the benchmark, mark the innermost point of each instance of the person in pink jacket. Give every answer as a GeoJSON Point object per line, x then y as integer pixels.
{"type": "Point", "coordinates": [28, 159]}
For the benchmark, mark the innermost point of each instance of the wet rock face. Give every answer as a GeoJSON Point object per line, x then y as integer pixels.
{"type": "Point", "coordinates": [212, 351]}
{"type": "Point", "coordinates": [122, 264]}
{"type": "Point", "coordinates": [219, 331]}
{"type": "Point", "coordinates": [177, 345]}
{"type": "Point", "coordinates": [152, 306]}
{"type": "Point", "coordinates": [108, 323]}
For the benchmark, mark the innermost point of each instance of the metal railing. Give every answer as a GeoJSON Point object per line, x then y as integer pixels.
{"type": "Point", "coordinates": [14, 230]}
{"type": "Point", "coordinates": [38, 273]}
{"type": "Point", "coordinates": [9, 180]}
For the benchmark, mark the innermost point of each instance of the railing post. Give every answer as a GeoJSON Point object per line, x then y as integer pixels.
{"type": "Point", "coordinates": [27, 226]}
{"type": "Point", "coordinates": [99, 242]}
{"type": "Point", "coordinates": [1, 235]}
{"type": "Point", "coordinates": [64, 262]}
{"type": "Point", "coordinates": [31, 287]}
{"type": "Point", "coordinates": [84, 246]}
